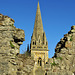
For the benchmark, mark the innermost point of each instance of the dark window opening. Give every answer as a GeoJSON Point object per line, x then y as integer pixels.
{"type": "Point", "coordinates": [43, 42]}
{"type": "Point", "coordinates": [46, 62]}
{"type": "Point", "coordinates": [46, 43]}
{"type": "Point", "coordinates": [43, 38]}
{"type": "Point", "coordinates": [33, 43]}
{"type": "Point", "coordinates": [40, 62]}
{"type": "Point", "coordinates": [39, 41]}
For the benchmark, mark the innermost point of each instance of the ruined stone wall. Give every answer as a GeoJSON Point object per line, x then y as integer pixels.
{"type": "Point", "coordinates": [63, 62]}
{"type": "Point", "coordinates": [11, 62]}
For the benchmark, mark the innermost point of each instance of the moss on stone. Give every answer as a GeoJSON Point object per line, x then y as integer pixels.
{"type": "Point", "coordinates": [12, 25]}
{"type": "Point", "coordinates": [12, 45]}
{"type": "Point", "coordinates": [59, 58]}
{"type": "Point", "coordinates": [54, 64]}
{"type": "Point", "coordinates": [71, 38]}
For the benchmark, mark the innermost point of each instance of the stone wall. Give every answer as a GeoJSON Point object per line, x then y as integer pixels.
{"type": "Point", "coordinates": [11, 62]}
{"type": "Point", "coordinates": [63, 62]}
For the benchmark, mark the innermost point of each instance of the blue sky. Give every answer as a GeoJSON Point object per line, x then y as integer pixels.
{"type": "Point", "coordinates": [57, 15]}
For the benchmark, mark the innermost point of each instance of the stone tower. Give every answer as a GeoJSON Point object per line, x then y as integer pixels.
{"type": "Point", "coordinates": [39, 44]}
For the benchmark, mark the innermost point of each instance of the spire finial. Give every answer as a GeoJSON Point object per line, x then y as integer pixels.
{"type": "Point", "coordinates": [38, 5]}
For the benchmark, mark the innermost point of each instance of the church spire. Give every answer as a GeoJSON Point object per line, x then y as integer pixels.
{"type": "Point", "coordinates": [38, 26]}
{"type": "Point", "coordinates": [39, 44]}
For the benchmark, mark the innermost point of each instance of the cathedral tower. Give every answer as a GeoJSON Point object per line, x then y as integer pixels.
{"type": "Point", "coordinates": [39, 44]}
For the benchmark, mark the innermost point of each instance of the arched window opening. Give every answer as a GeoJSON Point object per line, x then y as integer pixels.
{"type": "Point", "coordinates": [33, 43]}
{"type": "Point", "coordinates": [40, 61]}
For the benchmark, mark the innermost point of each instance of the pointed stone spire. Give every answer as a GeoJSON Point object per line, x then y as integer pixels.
{"type": "Point", "coordinates": [38, 26]}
